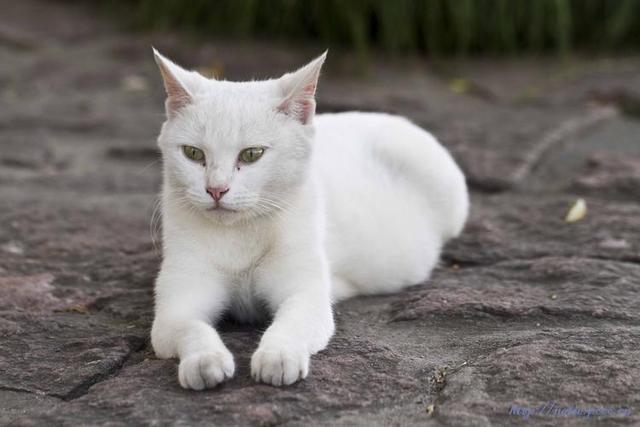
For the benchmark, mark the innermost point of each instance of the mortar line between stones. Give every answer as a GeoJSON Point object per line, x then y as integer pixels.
{"type": "Point", "coordinates": [442, 373]}
{"type": "Point", "coordinates": [440, 381]}
{"type": "Point", "coordinates": [478, 264]}
{"type": "Point", "coordinates": [24, 390]}
{"type": "Point", "coordinates": [84, 387]}
{"type": "Point", "coordinates": [558, 135]}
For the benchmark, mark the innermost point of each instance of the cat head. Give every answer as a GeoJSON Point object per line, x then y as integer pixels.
{"type": "Point", "coordinates": [235, 151]}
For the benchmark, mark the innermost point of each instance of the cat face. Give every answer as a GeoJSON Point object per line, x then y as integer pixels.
{"type": "Point", "coordinates": [236, 150]}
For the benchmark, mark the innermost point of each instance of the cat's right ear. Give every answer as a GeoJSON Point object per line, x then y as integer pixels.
{"type": "Point", "coordinates": [178, 95]}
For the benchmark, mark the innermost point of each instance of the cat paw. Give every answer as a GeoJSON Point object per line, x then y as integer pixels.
{"type": "Point", "coordinates": [279, 365]}
{"type": "Point", "coordinates": [205, 370]}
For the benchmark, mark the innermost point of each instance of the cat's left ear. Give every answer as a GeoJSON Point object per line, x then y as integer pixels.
{"type": "Point", "coordinates": [298, 90]}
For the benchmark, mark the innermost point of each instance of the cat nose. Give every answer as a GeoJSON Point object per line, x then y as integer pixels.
{"type": "Point", "coordinates": [217, 192]}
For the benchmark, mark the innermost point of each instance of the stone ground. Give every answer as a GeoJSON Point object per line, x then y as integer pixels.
{"type": "Point", "coordinates": [525, 309]}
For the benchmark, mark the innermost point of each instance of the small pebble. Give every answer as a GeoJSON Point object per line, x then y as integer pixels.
{"type": "Point", "coordinates": [614, 244]}
{"type": "Point", "coordinates": [577, 212]}
{"type": "Point", "coordinates": [459, 85]}
{"type": "Point", "coordinates": [13, 247]}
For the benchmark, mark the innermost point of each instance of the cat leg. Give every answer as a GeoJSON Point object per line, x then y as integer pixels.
{"type": "Point", "coordinates": [186, 305]}
{"type": "Point", "coordinates": [342, 289]}
{"type": "Point", "coordinates": [302, 325]}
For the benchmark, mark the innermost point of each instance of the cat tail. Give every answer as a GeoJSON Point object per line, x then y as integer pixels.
{"type": "Point", "coordinates": [412, 152]}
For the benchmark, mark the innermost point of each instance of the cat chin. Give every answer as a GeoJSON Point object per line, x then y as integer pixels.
{"type": "Point", "coordinates": [227, 217]}
{"type": "Point", "coordinates": [222, 215]}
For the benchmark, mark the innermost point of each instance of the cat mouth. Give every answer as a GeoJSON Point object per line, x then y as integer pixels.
{"type": "Point", "coordinates": [220, 208]}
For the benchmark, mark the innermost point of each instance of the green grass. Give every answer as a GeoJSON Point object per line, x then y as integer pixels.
{"type": "Point", "coordinates": [432, 27]}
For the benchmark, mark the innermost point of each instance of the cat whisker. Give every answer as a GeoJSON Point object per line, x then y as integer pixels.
{"type": "Point", "coordinates": [155, 223]}
{"type": "Point", "coordinates": [147, 166]}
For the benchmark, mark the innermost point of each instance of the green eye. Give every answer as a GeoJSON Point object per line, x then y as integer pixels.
{"type": "Point", "coordinates": [193, 153]}
{"type": "Point", "coordinates": [250, 155]}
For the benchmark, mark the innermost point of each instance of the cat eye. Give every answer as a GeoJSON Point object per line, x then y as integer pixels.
{"type": "Point", "coordinates": [252, 154]}
{"type": "Point", "coordinates": [193, 153]}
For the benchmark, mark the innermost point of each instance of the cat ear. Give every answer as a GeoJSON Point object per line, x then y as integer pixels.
{"type": "Point", "coordinates": [178, 95]}
{"type": "Point", "coordinates": [299, 89]}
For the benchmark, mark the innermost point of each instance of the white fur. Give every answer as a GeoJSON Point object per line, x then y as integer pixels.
{"type": "Point", "coordinates": [340, 205]}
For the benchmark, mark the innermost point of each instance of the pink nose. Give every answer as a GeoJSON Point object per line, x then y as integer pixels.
{"type": "Point", "coordinates": [217, 192]}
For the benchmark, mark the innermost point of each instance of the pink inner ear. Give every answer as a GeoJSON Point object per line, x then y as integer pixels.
{"type": "Point", "coordinates": [307, 108]}
{"type": "Point", "coordinates": [301, 104]}
{"type": "Point", "coordinates": [175, 102]}
{"type": "Point", "coordinates": [177, 96]}
{"type": "Point", "coordinates": [309, 89]}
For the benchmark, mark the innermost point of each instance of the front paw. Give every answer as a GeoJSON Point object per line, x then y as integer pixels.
{"type": "Point", "coordinates": [279, 364]}
{"type": "Point", "coordinates": [205, 370]}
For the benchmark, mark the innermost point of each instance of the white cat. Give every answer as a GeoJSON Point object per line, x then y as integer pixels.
{"type": "Point", "coordinates": [268, 210]}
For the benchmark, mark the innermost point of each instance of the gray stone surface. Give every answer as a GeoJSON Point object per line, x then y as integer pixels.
{"type": "Point", "coordinates": [525, 308]}
{"type": "Point", "coordinates": [523, 226]}
{"type": "Point", "coordinates": [586, 164]}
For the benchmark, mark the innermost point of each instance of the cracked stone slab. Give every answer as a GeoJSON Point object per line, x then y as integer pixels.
{"type": "Point", "coordinates": [62, 355]}
{"type": "Point", "coordinates": [336, 384]}
{"type": "Point", "coordinates": [550, 287]}
{"type": "Point", "coordinates": [17, 404]}
{"type": "Point", "coordinates": [519, 226]}
{"type": "Point", "coordinates": [585, 367]}
{"type": "Point", "coordinates": [394, 357]}
{"type": "Point", "coordinates": [497, 149]}
{"type": "Point", "coordinates": [603, 162]}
